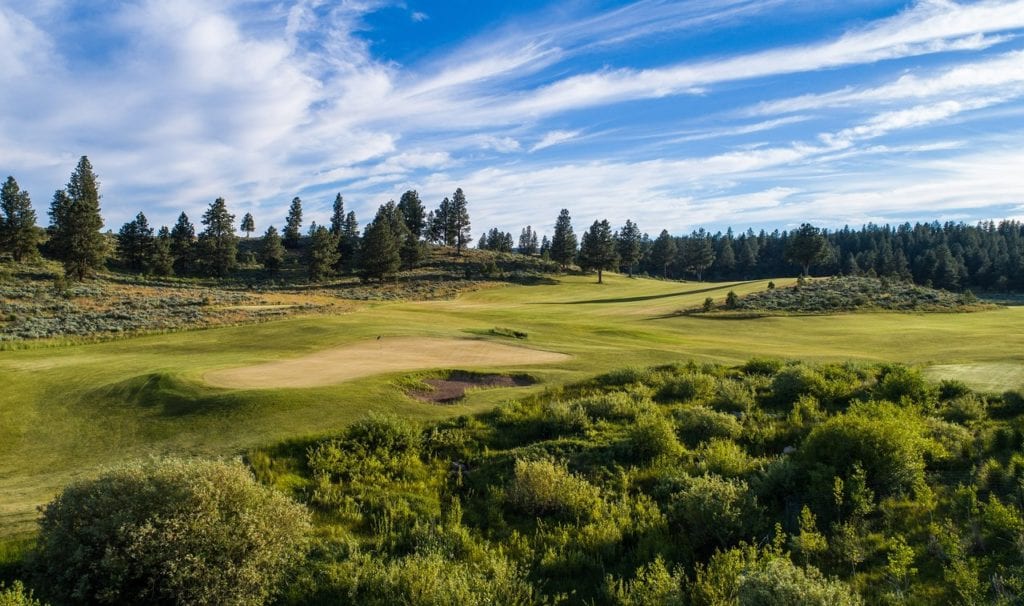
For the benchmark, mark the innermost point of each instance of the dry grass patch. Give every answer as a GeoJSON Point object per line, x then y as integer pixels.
{"type": "Point", "coordinates": [378, 356]}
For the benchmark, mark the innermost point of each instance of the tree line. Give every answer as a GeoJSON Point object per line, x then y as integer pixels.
{"type": "Point", "coordinates": [953, 256]}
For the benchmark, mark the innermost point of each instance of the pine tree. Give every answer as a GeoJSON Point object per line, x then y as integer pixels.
{"type": "Point", "coordinates": [545, 247]}
{"type": "Point", "coordinates": [482, 243]}
{"type": "Point", "coordinates": [218, 243]}
{"type": "Point", "coordinates": [248, 224]}
{"type": "Point", "coordinates": [460, 221]}
{"type": "Point", "coordinates": [293, 225]}
{"type": "Point", "coordinates": [698, 253]}
{"type": "Point", "coordinates": [725, 259]}
{"type": "Point", "coordinates": [183, 245]}
{"type": "Point", "coordinates": [412, 212]}
{"type": "Point", "coordinates": [272, 250]}
{"type": "Point", "coordinates": [348, 243]}
{"type": "Point", "coordinates": [663, 253]}
{"type": "Point", "coordinates": [75, 235]}
{"type": "Point", "coordinates": [412, 250]}
{"type": "Point", "coordinates": [628, 241]}
{"type": "Point", "coordinates": [136, 244]}
{"type": "Point", "coordinates": [338, 216]}
{"type": "Point", "coordinates": [163, 260]}
{"type": "Point", "coordinates": [322, 255]}
{"type": "Point", "coordinates": [805, 246]}
{"type": "Point", "coordinates": [597, 250]}
{"type": "Point", "coordinates": [528, 241]}
{"type": "Point", "coordinates": [18, 233]}
{"type": "Point", "coordinates": [433, 229]}
{"type": "Point", "coordinates": [563, 242]}
{"type": "Point", "coordinates": [379, 256]}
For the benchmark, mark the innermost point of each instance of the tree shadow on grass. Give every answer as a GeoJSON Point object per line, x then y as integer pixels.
{"type": "Point", "coordinates": [696, 291]}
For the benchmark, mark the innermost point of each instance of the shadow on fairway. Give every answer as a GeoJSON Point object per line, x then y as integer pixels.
{"type": "Point", "coordinates": [696, 291]}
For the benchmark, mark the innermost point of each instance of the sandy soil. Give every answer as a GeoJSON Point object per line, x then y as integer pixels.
{"type": "Point", "coordinates": [366, 358]}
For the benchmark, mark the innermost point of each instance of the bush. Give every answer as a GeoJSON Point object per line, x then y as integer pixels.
{"type": "Point", "coordinates": [688, 386]}
{"type": "Point", "coordinates": [900, 382]}
{"type": "Point", "coordinates": [713, 510]}
{"type": "Point", "coordinates": [545, 487]}
{"type": "Point", "coordinates": [890, 444]}
{"type": "Point", "coordinates": [169, 531]}
{"type": "Point", "coordinates": [653, 585]}
{"type": "Point", "coordinates": [732, 300]}
{"type": "Point", "coordinates": [778, 582]}
{"type": "Point", "coordinates": [700, 424]}
{"type": "Point", "coordinates": [16, 595]}
{"type": "Point", "coordinates": [650, 437]}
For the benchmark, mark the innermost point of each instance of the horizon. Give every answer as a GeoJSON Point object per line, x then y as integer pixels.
{"type": "Point", "coordinates": [714, 114]}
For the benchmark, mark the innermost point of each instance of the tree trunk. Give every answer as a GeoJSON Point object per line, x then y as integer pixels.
{"type": "Point", "coordinates": [599, 276]}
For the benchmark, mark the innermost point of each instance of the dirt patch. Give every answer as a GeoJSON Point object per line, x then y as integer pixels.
{"type": "Point", "coordinates": [454, 387]}
{"type": "Point", "coordinates": [378, 356]}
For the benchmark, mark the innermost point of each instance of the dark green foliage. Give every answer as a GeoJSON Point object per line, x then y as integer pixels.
{"type": "Point", "coordinates": [136, 245]}
{"type": "Point", "coordinates": [272, 250]}
{"type": "Point", "coordinates": [528, 241]}
{"type": "Point", "coordinates": [163, 259]}
{"type": "Point", "coordinates": [698, 254]}
{"type": "Point", "coordinates": [459, 220]}
{"type": "Point", "coordinates": [348, 242]}
{"type": "Point", "coordinates": [663, 253]}
{"type": "Point", "coordinates": [183, 245]}
{"type": "Point", "coordinates": [732, 300]}
{"type": "Point", "coordinates": [379, 254]}
{"type": "Point", "coordinates": [18, 233]}
{"type": "Point", "coordinates": [293, 224]}
{"type": "Point", "coordinates": [168, 532]}
{"type": "Point", "coordinates": [413, 213]}
{"type": "Point", "coordinates": [218, 245]}
{"type": "Point", "coordinates": [628, 240]}
{"type": "Point", "coordinates": [322, 255]}
{"type": "Point", "coordinates": [248, 224]}
{"type": "Point", "coordinates": [805, 246]}
{"type": "Point", "coordinates": [563, 242]}
{"type": "Point", "coordinates": [412, 251]}
{"type": "Point", "coordinates": [75, 237]}
{"type": "Point", "coordinates": [598, 250]}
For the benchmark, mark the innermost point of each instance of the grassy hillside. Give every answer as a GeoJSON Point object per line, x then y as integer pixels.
{"type": "Point", "coordinates": [65, 411]}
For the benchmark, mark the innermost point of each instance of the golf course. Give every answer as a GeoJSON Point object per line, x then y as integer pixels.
{"type": "Point", "coordinates": [67, 411]}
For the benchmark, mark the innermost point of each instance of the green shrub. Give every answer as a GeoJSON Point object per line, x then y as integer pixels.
{"type": "Point", "coordinates": [650, 437]}
{"type": "Point", "coordinates": [653, 585]}
{"type": "Point", "coordinates": [725, 458]}
{"type": "Point", "coordinates": [762, 366]}
{"type": "Point", "coordinates": [794, 381]}
{"type": "Point", "coordinates": [17, 595]}
{"type": "Point", "coordinates": [708, 305]}
{"type": "Point", "coordinates": [889, 442]}
{"type": "Point", "coordinates": [900, 382]}
{"type": "Point", "coordinates": [699, 424]}
{"type": "Point", "coordinates": [734, 396]}
{"type": "Point", "coordinates": [545, 487]}
{"type": "Point", "coordinates": [778, 582]}
{"type": "Point", "coordinates": [169, 531]}
{"type": "Point", "coordinates": [712, 510]}
{"type": "Point", "coordinates": [378, 448]}
{"type": "Point", "coordinates": [615, 406]}
{"type": "Point", "coordinates": [688, 386]}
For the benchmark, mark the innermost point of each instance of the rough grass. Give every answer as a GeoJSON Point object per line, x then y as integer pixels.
{"type": "Point", "coordinates": [66, 411]}
{"type": "Point", "coordinates": [851, 293]}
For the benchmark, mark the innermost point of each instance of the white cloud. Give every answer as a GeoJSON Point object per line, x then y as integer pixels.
{"type": "Point", "coordinates": [553, 138]}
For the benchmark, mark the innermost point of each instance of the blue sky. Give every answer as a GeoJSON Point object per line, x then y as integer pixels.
{"type": "Point", "coordinates": [678, 115]}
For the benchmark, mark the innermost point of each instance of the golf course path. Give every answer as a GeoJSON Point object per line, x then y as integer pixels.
{"type": "Point", "coordinates": [381, 355]}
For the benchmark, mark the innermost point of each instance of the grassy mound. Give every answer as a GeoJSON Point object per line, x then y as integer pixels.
{"type": "Point", "coordinates": [851, 293]}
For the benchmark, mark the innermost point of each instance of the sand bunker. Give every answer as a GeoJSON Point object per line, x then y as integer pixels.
{"type": "Point", "coordinates": [366, 358]}
{"type": "Point", "coordinates": [452, 389]}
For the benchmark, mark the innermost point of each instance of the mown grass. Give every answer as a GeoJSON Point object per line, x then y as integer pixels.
{"type": "Point", "coordinates": [67, 411]}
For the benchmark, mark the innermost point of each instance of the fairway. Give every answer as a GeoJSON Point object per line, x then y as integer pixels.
{"type": "Point", "coordinates": [377, 356]}
{"type": "Point", "coordinates": [68, 411]}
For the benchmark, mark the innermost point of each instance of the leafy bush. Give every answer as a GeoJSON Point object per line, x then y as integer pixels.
{"type": "Point", "coordinates": [712, 510]}
{"type": "Point", "coordinates": [169, 531]}
{"type": "Point", "coordinates": [650, 437]}
{"type": "Point", "coordinates": [545, 487]}
{"type": "Point", "coordinates": [778, 582]}
{"type": "Point", "coordinates": [17, 595]}
{"type": "Point", "coordinates": [688, 386]}
{"type": "Point", "coordinates": [699, 424]}
{"type": "Point", "coordinates": [653, 585]}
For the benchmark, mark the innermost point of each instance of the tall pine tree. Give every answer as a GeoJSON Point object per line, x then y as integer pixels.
{"type": "Point", "coordinates": [272, 250]}
{"type": "Point", "coordinates": [563, 242]}
{"type": "Point", "coordinates": [379, 256]}
{"type": "Point", "coordinates": [412, 212]}
{"type": "Point", "coordinates": [18, 233]}
{"type": "Point", "coordinates": [338, 215]}
{"type": "Point", "coordinates": [293, 225]}
{"type": "Point", "coordinates": [322, 255]}
{"type": "Point", "coordinates": [248, 224]}
{"type": "Point", "coordinates": [163, 260]}
{"type": "Point", "coordinates": [460, 221]}
{"type": "Point", "coordinates": [183, 245]}
{"type": "Point", "coordinates": [136, 244]}
{"type": "Point", "coordinates": [75, 234]}
{"type": "Point", "coordinates": [597, 250]}
{"type": "Point", "coordinates": [628, 244]}
{"type": "Point", "coordinates": [218, 243]}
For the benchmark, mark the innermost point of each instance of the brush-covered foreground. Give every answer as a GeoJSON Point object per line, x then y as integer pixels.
{"type": "Point", "coordinates": [767, 483]}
